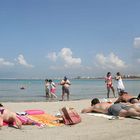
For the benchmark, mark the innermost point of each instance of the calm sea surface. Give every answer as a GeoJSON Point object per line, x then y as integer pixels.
{"type": "Point", "coordinates": [80, 89]}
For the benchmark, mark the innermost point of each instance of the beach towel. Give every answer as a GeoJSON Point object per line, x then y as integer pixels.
{"type": "Point", "coordinates": [26, 121]}
{"type": "Point", "coordinates": [34, 111]}
{"type": "Point", "coordinates": [110, 117]}
{"type": "Point", "coordinates": [45, 120]}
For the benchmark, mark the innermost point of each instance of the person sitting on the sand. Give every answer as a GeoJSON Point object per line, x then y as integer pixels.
{"type": "Point", "coordinates": [117, 109]}
{"type": "Point", "coordinates": [125, 97]}
{"type": "Point", "coordinates": [8, 117]}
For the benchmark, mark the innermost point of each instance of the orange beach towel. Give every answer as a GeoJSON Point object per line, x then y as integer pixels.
{"type": "Point", "coordinates": [45, 119]}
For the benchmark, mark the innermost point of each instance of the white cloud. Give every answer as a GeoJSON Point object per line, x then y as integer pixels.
{"type": "Point", "coordinates": [137, 42]}
{"type": "Point", "coordinates": [21, 60]}
{"type": "Point", "coordinates": [3, 62]}
{"type": "Point", "coordinates": [111, 61]}
{"type": "Point", "coordinates": [52, 56]}
{"type": "Point", "coordinates": [66, 56]}
{"type": "Point", "coordinates": [56, 68]}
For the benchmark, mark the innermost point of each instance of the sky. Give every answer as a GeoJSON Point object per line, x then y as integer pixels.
{"type": "Point", "coordinates": [54, 38]}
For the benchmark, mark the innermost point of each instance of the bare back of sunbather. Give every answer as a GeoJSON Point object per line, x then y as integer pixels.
{"type": "Point", "coordinates": [102, 107]}
{"type": "Point", "coordinates": [99, 107]}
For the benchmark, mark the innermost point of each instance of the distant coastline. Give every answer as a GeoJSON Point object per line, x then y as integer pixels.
{"type": "Point", "coordinates": [75, 78]}
{"type": "Point", "coordinates": [131, 77]}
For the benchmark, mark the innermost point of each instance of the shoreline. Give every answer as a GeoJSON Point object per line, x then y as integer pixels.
{"type": "Point", "coordinates": [56, 100]}
{"type": "Point", "coordinates": [47, 101]}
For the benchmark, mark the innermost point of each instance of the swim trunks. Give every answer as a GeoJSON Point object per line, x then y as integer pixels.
{"type": "Point", "coordinates": [65, 90]}
{"type": "Point", "coordinates": [130, 100]}
{"type": "Point", "coordinates": [116, 108]}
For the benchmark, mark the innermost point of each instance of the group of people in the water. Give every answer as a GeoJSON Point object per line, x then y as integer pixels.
{"type": "Point", "coordinates": [50, 88]}
{"type": "Point", "coordinates": [109, 83]}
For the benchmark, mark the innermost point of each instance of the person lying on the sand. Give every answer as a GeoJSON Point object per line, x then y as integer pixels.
{"type": "Point", "coordinates": [125, 97]}
{"type": "Point", "coordinates": [118, 109]}
{"type": "Point", "coordinates": [8, 117]}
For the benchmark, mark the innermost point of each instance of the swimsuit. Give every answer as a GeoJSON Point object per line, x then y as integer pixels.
{"type": "Point", "coordinates": [120, 85]}
{"type": "Point", "coordinates": [110, 85]}
{"type": "Point", "coordinates": [1, 111]}
{"type": "Point", "coordinates": [116, 108]}
{"type": "Point", "coordinates": [65, 89]}
{"type": "Point", "coordinates": [130, 100]}
{"type": "Point", "coordinates": [109, 82]}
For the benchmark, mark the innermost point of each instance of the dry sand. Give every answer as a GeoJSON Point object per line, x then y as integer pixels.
{"type": "Point", "coordinates": [91, 127]}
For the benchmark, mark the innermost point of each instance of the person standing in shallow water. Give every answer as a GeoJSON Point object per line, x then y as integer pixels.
{"type": "Point", "coordinates": [52, 89]}
{"type": "Point", "coordinates": [120, 85]}
{"type": "Point", "coordinates": [65, 87]}
{"type": "Point", "coordinates": [47, 88]}
{"type": "Point", "coordinates": [109, 84]}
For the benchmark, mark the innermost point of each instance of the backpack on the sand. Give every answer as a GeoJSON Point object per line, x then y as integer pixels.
{"type": "Point", "coordinates": [70, 116]}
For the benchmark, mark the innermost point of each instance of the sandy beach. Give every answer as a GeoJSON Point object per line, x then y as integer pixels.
{"type": "Point", "coordinates": [91, 127]}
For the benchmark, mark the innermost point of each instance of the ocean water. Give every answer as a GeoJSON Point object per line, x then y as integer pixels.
{"type": "Point", "coordinates": [80, 89]}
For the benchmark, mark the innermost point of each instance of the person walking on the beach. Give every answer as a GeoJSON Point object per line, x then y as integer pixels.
{"type": "Point", "coordinates": [52, 89]}
{"type": "Point", "coordinates": [65, 87]}
{"type": "Point", "coordinates": [118, 109]}
{"type": "Point", "coordinates": [120, 85]}
{"type": "Point", "coordinates": [47, 88]}
{"type": "Point", "coordinates": [8, 117]}
{"type": "Point", "coordinates": [109, 84]}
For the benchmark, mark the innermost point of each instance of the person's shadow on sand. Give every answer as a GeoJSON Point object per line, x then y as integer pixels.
{"type": "Point", "coordinates": [135, 118]}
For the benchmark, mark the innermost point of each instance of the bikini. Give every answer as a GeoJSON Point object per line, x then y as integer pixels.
{"type": "Point", "coordinates": [130, 100]}
{"type": "Point", "coordinates": [1, 111]}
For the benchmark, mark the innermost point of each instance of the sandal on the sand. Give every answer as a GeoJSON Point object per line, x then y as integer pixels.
{"type": "Point", "coordinates": [116, 118]}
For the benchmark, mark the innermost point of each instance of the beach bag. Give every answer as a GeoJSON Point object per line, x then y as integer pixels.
{"type": "Point", "coordinates": [70, 116]}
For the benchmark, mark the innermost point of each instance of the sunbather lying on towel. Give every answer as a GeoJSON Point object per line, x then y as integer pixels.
{"type": "Point", "coordinates": [118, 109]}
{"type": "Point", "coordinates": [8, 117]}
{"type": "Point", "coordinates": [125, 97]}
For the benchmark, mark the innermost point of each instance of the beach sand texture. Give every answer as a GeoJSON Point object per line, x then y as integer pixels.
{"type": "Point", "coordinates": [91, 127]}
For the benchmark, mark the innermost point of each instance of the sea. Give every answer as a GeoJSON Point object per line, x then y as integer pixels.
{"type": "Point", "coordinates": [34, 89]}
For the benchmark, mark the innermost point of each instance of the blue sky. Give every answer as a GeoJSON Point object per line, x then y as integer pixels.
{"type": "Point", "coordinates": [53, 38]}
